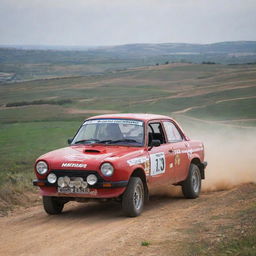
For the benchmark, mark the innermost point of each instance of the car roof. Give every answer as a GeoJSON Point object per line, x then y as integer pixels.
{"type": "Point", "coordinates": [144, 117]}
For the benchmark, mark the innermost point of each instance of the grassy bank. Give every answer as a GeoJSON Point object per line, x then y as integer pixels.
{"type": "Point", "coordinates": [21, 144]}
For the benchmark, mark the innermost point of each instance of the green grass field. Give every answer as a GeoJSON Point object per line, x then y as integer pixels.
{"type": "Point", "coordinates": [21, 144]}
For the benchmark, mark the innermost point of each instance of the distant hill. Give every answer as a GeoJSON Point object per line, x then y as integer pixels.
{"type": "Point", "coordinates": [36, 62]}
{"type": "Point", "coordinates": [152, 49]}
{"type": "Point", "coordinates": [181, 48]}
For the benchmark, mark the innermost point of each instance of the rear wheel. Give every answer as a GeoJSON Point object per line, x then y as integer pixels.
{"type": "Point", "coordinates": [52, 205]}
{"type": "Point", "coordinates": [191, 187]}
{"type": "Point", "coordinates": [133, 198]}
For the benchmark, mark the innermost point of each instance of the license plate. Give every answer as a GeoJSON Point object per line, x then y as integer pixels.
{"type": "Point", "coordinates": [73, 190]}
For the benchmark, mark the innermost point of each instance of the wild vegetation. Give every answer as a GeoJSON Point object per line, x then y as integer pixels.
{"type": "Point", "coordinates": [38, 102]}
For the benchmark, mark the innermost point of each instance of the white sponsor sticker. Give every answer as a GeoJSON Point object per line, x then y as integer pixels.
{"type": "Point", "coordinates": [157, 163]}
{"type": "Point", "coordinates": [74, 165]}
{"type": "Point", "coordinates": [137, 160]}
{"type": "Point", "coordinates": [189, 151]}
{"type": "Point", "coordinates": [114, 121]}
{"type": "Point", "coordinates": [177, 151]}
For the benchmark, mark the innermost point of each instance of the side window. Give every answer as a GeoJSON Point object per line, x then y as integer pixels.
{"type": "Point", "coordinates": [155, 132]}
{"type": "Point", "coordinates": [173, 135]}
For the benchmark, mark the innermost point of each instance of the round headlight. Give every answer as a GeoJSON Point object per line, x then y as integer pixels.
{"type": "Point", "coordinates": [61, 182]}
{"type": "Point", "coordinates": [52, 178]}
{"type": "Point", "coordinates": [41, 167]}
{"type": "Point", "coordinates": [107, 169]}
{"type": "Point", "coordinates": [91, 179]}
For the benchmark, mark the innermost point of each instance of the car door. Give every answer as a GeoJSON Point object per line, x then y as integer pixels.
{"type": "Point", "coordinates": [159, 157]}
{"type": "Point", "coordinates": [177, 147]}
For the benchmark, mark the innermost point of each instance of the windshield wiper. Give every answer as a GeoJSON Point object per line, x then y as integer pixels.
{"type": "Point", "coordinates": [124, 140]}
{"type": "Point", "coordinates": [83, 141]}
{"type": "Point", "coordinates": [105, 141]}
{"type": "Point", "coordinates": [117, 141]}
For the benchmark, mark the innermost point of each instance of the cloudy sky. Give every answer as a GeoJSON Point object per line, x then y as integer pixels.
{"type": "Point", "coordinates": [112, 22]}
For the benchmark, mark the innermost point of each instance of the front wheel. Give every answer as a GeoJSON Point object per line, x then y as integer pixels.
{"type": "Point", "coordinates": [133, 198]}
{"type": "Point", "coordinates": [52, 205]}
{"type": "Point", "coordinates": [191, 187]}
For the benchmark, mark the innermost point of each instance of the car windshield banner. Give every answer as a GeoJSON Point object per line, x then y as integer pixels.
{"type": "Point", "coordinates": [114, 121]}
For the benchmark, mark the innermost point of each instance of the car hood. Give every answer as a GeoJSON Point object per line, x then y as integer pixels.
{"type": "Point", "coordinates": [88, 156]}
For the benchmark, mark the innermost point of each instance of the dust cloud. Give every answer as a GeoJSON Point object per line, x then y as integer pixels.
{"type": "Point", "coordinates": [230, 154]}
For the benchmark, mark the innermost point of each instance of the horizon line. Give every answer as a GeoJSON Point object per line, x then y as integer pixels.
{"type": "Point", "coordinates": [34, 46]}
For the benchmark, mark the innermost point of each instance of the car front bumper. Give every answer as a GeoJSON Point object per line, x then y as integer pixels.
{"type": "Point", "coordinates": [99, 190]}
{"type": "Point", "coordinates": [113, 184]}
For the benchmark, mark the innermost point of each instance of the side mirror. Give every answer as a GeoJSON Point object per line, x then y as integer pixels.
{"type": "Point", "coordinates": [154, 143]}
{"type": "Point", "coordinates": [69, 141]}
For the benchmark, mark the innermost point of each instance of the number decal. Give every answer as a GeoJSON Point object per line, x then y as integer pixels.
{"type": "Point", "coordinates": [157, 162]}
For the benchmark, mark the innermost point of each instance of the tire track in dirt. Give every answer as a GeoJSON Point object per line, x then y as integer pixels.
{"type": "Point", "coordinates": [183, 111]}
{"type": "Point", "coordinates": [234, 99]}
{"type": "Point", "coordinates": [224, 123]}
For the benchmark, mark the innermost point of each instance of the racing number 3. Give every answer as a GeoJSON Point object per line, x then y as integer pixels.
{"type": "Point", "coordinates": [157, 163]}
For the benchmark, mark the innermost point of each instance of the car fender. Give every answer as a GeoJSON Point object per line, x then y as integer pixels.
{"type": "Point", "coordinates": [198, 160]}
{"type": "Point", "coordinates": [139, 171]}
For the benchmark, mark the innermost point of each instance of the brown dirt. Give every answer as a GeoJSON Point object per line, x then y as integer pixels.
{"type": "Point", "coordinates": [227, 123]}
{"type": "Point", "coordinates": [234, 99]}
{"type": "Point", "coordinates": [167, 223]}
{"type": "Point", "coordinates": [183, 111]}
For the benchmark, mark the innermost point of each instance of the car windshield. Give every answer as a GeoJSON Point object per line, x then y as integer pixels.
{"type": "Point", "coordinates": [111, 131]}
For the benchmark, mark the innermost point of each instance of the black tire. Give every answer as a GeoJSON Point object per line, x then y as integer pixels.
{"type": "Point", "coordinates": [191, 187]}
{"type": "Point", "coordinates": [52, 205]}
{"type": "Point", "coordinates": [133, 198]}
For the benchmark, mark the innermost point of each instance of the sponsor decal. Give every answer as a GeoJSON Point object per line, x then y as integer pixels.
{"type": "Point", "coordinates": [171, 165]}
{"type": "Point", "coordinates": [197, 149]}
{"type": "Point", "coordinates": [137, 160]}
{"type": "Point", "coordinates": [157, 163]}
{"type": "Point", "coordinates": [177, 151]}
{"type": "Point", "coordinates": [114, 121]}
{"type": "Point", "coordinates": [177, 160]}
{"type": "Point", "coordinates": [187, 151]}
{"type": "Point", "coordinates": [147, 167]}
{"type": "Point", "coordinates": [191, 151]}
{"type": "Point", "coordinates": [74, 165]}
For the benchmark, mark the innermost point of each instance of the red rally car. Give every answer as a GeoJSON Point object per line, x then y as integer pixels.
{"type": "Point", "coordinates": [122, 157]}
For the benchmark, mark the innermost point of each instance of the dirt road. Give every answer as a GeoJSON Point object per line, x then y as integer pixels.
{"type": "Point", "coordinates": [167, 223]}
